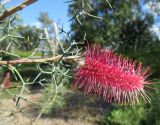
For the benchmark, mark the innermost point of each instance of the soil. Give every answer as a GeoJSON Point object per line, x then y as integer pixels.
{"type": "Point", "coordinates": [79, 110]}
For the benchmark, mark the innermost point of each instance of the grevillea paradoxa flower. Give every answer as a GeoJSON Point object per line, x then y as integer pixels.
{"type": "Point", "coordinates": [107, 74]}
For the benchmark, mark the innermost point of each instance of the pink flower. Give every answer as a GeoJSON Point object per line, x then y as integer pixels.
{"type": "Point", "coordinates": [107, 74]}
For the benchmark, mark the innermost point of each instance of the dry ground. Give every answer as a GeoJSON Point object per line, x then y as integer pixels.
{"type": "Point", "coordinates": [79, 110]}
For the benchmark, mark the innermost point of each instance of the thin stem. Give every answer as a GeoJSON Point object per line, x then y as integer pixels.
{"type": "Point", "coordinates": [19, 96]}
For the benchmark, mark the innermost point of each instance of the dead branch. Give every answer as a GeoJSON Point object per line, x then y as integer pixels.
{"type": "Point", "coordinates": [13, 10]}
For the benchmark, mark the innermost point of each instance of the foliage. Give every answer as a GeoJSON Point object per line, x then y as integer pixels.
{"type": "Point", "coordinates": [153, 116]}
{"type": "Point", "coordinates": [127, 116]}
{"type": "Point", "coordinates": [45, 20]}
{"type": "Point", "coordinates": [26, 43]}
{"type": "Point", "coordinates": [147, 56]}
{"type": "Point", "coordinates": [53, 98]}
{"type": "Point", "coordinates": [138, 115]}
{"type": "Point", "coordinates": [125, 27]}
{"type": "Point", "coordinates": [30, 37]}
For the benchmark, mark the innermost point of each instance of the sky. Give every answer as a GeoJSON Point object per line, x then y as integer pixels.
{"type": "Point", "coordinates": [154, 8]}
{"type": "Point", "coordinates": [57, 10]}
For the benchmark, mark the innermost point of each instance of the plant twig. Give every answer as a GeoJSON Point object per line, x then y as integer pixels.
{"type": "Point", "coordinates": [15, 9]}
{"type": "Point", "coordinates": [36, 61]}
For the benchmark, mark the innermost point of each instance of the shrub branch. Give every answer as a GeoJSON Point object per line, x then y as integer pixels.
{"type": "Point", "coordinates": [15, 9]}
{"type": "Point", "coordinates": [36, 61]}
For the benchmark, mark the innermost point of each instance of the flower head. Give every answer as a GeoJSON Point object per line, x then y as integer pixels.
{"type": "Point", "coordinates": [107, 74]}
